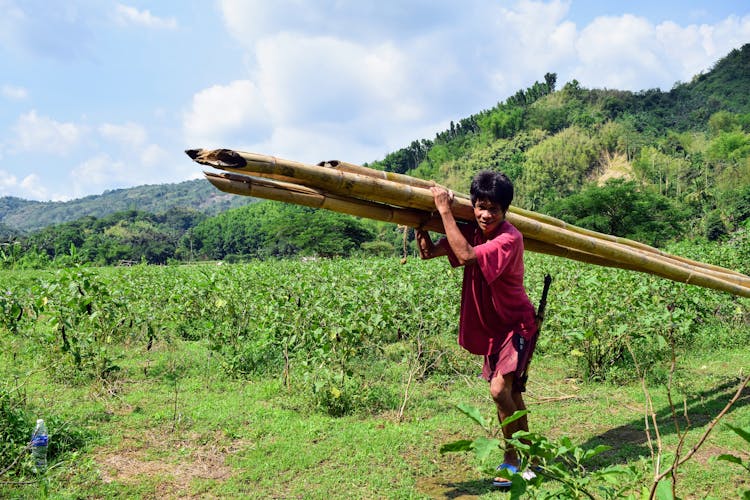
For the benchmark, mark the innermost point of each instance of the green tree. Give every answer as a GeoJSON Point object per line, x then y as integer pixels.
{"type": "Point", "coordinates": [723, 121]}
{"type": "Point", "coordinates": [729, 147]}
{"type": "Point", "coordinates": [620, 208]}
{"type": "Point", "coordinates": [714, 227]}
{"type": "Point", "coordinates": [272, 229]}
{"type": "Point", "coordinates": [735, 205]}
{"type": "Point", "coordinates": [558, 166]}
{"type": "Point", "coordinates": [502, 123]}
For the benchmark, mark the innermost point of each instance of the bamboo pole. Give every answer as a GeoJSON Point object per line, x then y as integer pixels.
{"type": "Point", "coordinates": [300, 195]}
{"type": "Point", "coordinates": [334, 181]}
{"type": "Point", "coordinates": [673, 270]}
{"type": "Point", "coordinates": [518, 217]}
{"type": "Point", "coordinates": [416, 182]}
{"type": "Point", "coordinates": [271, 189]}
{"type": "Point", "coordinates": [408, 180]}
{"type": "Point", "coordinates": [345, 184]}
{"type": "Point", "coordinates": [268, 165]}
{"type": "Point", "coordinates": [623, 241]}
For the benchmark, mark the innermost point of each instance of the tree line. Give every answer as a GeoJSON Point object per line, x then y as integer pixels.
{"type": "Point", "coordinates": [260, 230]}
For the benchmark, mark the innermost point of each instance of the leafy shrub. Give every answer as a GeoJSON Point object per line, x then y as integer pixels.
{"type": "Point", "coordinates": [273, 229]}
{"type": "Point", "coordinates": [502, 122]}
{"type": "Point", "coordinates": [595, 315]}
{"type": "Point", "coordinates": [621, 208]}
{"type": "Point", "coordinates": [558, 166]}
{"type": "Point", "coordinates": [735, 206]}
{"type": "Point", "coordinates": [378, 248]}
{"type": "Point", "coordinates": [15, 430]}
{"type": "Point", "coordinates": [339, 394]}
{"type": "Point", "coordinates": [16, 425]}
{"type": "Point", "coordinates": [11, 311]}
{"type": "Point", "coordinates": [559, 460]}
{"type": "Point", "coordinates": [714, 226]}
{"type": "Point", "coordinates": [86, 319]}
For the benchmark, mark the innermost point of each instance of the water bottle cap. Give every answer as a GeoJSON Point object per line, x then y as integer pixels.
{"type": "Point", "coordinates": [39, 421]}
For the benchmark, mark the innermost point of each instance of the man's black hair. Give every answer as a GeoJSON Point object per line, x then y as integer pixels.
{"type": "Point", "coordinates": [493, 186]}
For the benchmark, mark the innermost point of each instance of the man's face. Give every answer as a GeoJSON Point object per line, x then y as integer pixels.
{"type": "Point", "coordinates": [489, 215]}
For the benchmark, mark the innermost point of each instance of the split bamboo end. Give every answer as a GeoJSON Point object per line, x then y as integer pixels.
{"type": "Point", "coordinates": [219, 158]}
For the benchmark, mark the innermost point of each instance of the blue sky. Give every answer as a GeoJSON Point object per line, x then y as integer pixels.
{"type": "Point", "coordinates": [99, 94]}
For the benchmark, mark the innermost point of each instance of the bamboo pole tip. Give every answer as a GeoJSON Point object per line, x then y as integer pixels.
{"type": "Point", "coordinates": [329, 163]}
{"type": "Point", "coordinates": [193, 153]}
{"type": "Point", "coordinates": [219, 158]}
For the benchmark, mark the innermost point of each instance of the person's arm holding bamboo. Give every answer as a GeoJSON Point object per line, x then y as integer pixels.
{"type": "Point", "coordinates": [427, 249]}
{"type": "Point", "coordinates": [461, 248]}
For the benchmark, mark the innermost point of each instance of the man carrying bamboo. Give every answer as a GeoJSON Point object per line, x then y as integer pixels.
{"type": "Point", "coordinates": [497, 318]}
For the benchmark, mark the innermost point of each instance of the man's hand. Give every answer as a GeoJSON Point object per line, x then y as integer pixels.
{"type": "Point", "coordinates": [443, 198]}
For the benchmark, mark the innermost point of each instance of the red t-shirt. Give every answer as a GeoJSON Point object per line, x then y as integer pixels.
{"type": "Point", "coordinates": [493, 298]}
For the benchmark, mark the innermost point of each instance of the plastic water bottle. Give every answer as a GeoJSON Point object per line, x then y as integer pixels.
{"type": "Point", "coordinates": [39, 441]}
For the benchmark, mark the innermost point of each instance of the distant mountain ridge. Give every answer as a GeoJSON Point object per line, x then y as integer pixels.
{"type": "Point", "coordinates": [19, 215]}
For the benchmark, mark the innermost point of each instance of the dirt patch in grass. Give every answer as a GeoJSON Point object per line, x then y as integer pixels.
{"type": "Point", "coordinates": [173, 464]}
{"type": "Point", "coordinates": [456, 479]}
{"type": "Point", "coordinates": [451, 475]}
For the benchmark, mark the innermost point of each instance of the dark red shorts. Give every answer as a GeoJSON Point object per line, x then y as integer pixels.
{"type": "Point", "coordinates": [514, 356]}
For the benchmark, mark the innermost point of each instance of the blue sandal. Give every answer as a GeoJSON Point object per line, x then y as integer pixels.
{"type": "Point", "coordinates": [501, 482]}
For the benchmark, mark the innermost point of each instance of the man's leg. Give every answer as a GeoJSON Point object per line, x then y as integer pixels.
{"type": "Point", "coordinates": [507, 403]}
{"type": "Point", "coordinates": [523, 422]}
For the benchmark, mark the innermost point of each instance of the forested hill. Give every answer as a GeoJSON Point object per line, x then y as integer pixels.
{"type": "Point", "coordinates": [26, 216]}
{"type": "Point", "coordinates": [677, 161]}
{"type": "Point", "coordinates": [649, 113]}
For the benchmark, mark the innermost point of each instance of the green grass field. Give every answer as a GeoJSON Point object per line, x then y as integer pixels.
{"type": "Point", "coordinates": [365, 415]}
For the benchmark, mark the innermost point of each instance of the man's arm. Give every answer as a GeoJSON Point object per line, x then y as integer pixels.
{"type": "Point", "coordinates": [427, 249]}
{"type": "Point", "coordinates": [461, 248]}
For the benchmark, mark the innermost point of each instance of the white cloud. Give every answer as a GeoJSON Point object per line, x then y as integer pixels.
{"type": "Point", "coordinates": [714, 41]}
{"type": "Point", "coordinates": [97, 171]}
{"type": "Point", "coordinates": [150, 165]}
{"type": "Point", "coordinates": [223, 113]}
{"type": "Point", "coordinates": [127, 15]}
{"type": "Point", "coordinates": [43, 134]}
{"type": "Point", "coordinates": [615, 52]}
{"type": "Point", "coordinates": [13, 17]}
{"type": "Point", "coordinates": [532, 26]}
{"type": "Point", "coordinates": [523, 42]}
{"type": "Point", "coordinates": [331, 94]}
{"type": "Point", "coordinates": [393, 71]}
{"type": "Point", "coordinates": [30, 187]}
{"type": "Point", "coordinates": [364, 21]}
{"type": "Point", "coordinates": [322, 79]}
{"type": "Point", "coordinates": [129, 134]}
{"type": "Point", "coordinates": [314, 144]}
{"type": "Point", "coordinates": [629, 52]}
{"type": "Point", "coordinates": [101, 172]}
{"type": "Point", "coordinates": [14, 93]}
{"type": "Point", "coordinates": [7, 180]}
{"type": "Point", "coordinates": [249, 21]}
{"type": "Point", "coordinates": [33, 188]}
{"type": "Point", "coordinates": [153, 155]}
